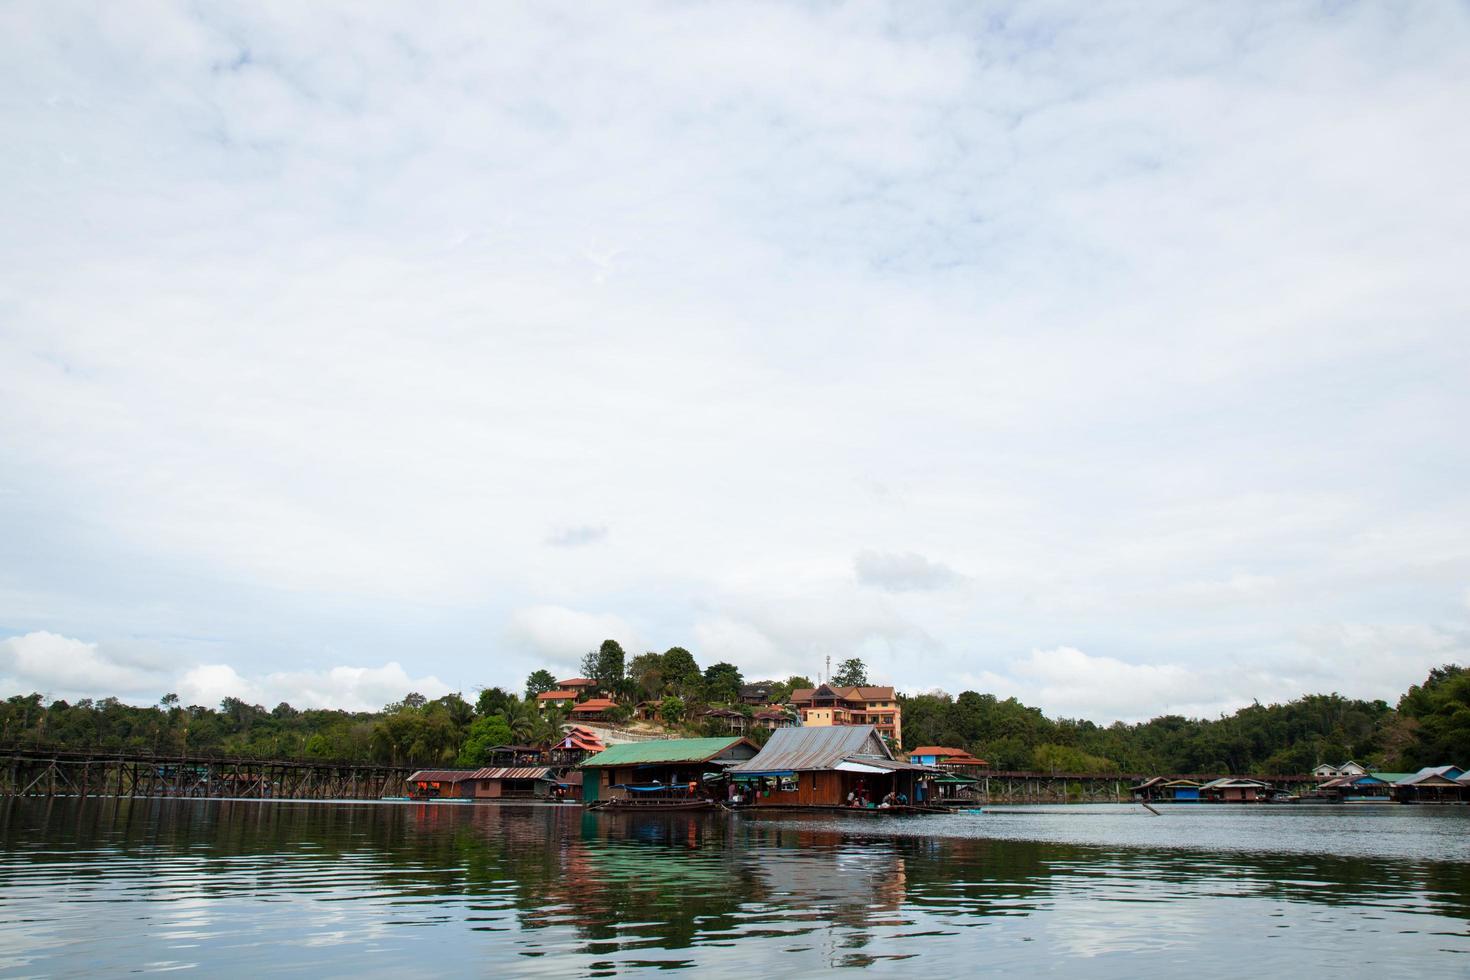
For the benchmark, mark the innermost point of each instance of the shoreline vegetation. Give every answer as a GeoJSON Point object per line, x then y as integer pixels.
{"type": "Point", "coordinates": [1429, 722]}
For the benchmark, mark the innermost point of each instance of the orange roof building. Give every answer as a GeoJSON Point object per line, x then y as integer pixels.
{"type": "Point", "coordinates": [864, 705]}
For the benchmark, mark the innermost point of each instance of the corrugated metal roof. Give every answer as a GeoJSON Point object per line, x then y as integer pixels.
{"type": "Point", "coordinates": [802, 749]}
{"type": "Point", "coordinates": [670, 750]}
{"type": "Point", "coordinates": [514, 772]}
{"type": "Point", "coordinates": [442, 775]}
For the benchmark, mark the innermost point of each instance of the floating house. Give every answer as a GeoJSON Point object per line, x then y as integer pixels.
{"type": "Point", "coordinates": [1366, 788]}
{"type": "Point", "coordinates": [948, 759]}
{"type": "Point", "coordinates": [663, 766]}
{"type": "Point", "coordinates": [490, 783]}
{"type": "Point", "coordinates": [820, 767]}
{"type": "Point", "coordinates": [1161, 789]}
{"type": "Point", "coordinates": [1432, 784]}
{"type": "Point", "coordinates": [1234, 789]}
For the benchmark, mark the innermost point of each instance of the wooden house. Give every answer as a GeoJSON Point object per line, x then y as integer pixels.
{"type": "Point", "coordinates": [563, 698]}
{"type": "Point", "coordinates": [728, 719]}
{"type": "Point", "coordinates": [1367, 788]}
{"type": "Point", "coordinates": [950, 760]}
{"type": "Point", "coordinates": [1234, 789]}
{"type": "Point", "coordinates": [821, 767]}
{"type": "Point", "coordinates": [582, 688]}
{"type": "Point", "coordinates": [756, 694]}
{"type": "Point", "coordinates": [488, 783]}
{"type": "Point", "coordinates": [576, 745]}
{"type": "Point", "coordinates": [620, 771]}
{"type": "Point", "coordinates": [773, 718]}
{"type": "Point", "coordinates": [593, 709]}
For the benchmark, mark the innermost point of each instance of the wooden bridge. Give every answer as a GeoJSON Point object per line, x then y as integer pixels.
{"type": "Point", "coordinates": [43, 771]}
{"type": "Point", "coordinates": [1082, 787]}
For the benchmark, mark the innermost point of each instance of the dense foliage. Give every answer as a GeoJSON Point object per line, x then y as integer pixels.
{"type": "Point", "coordinates": [1429, 726]}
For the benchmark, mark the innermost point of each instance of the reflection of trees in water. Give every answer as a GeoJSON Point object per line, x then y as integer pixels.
{"type": "Point", "coordinates": [624, 881]}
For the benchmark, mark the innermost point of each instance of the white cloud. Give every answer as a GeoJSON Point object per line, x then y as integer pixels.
{"type": "Point", "coordinates": [63, 667]}
{"type": "Point", "coordinates": [308, 339]}
{"type": "Point", "coordinates": [576, 537]}
{"type": "Point", "coordinates": [562, 635]}
{"type": "Point", "coordinates": [349, 688]}
{"type": "Point", "coordinates": [905, 572]}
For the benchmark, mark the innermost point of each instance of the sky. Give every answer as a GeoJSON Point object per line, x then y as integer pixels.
{"type": "Point", "coordinates": [1115, 357]}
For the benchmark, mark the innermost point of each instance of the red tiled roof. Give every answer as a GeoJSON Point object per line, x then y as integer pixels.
{"type": "Point", "coordinates": [557, 696]}
{"type": "Point", "coordinates": [593, 705]}
{"type": "Point", "coordinates": [577, 682]}
{"type": "Point", "coordinates": [936, 750]}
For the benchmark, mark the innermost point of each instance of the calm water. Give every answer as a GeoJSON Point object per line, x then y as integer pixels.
{"type": "Point", "coordinates": [108, 887]}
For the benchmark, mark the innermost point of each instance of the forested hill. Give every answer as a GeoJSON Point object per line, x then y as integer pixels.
{"type": "Point", "coordinates": [1430, 725]}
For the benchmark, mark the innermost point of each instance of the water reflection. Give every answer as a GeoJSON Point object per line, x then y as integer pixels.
{"type": "Point", "coordinates": [419, 889]}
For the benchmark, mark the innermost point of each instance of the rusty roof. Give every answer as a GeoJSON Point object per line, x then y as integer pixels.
{"type": "Point", "coordinates": [802, 749]}
{"type": "Point", "coordinates": [460, 775]}
{"type": "Point", "coordinates": [442, 775]}
{"type": "Point", "coordinates": [514, 772]}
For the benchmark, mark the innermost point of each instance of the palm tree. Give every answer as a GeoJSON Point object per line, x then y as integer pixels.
{"type": "Point", "coordinates": [549, 724]}
{"type": "Point", "coordinates": [520, 718]}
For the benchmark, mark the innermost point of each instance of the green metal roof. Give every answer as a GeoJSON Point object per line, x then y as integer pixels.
{"type": "Point", "coordinates": [1391, 777]}
{"type": "Point", "coordinates": [668, 750]}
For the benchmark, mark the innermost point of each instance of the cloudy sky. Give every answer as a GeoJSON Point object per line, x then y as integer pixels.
{"type": "Point", "coordinates": [1112, 356]}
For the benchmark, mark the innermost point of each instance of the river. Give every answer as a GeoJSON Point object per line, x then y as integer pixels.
{"type": "Point", "coordinates": [105, 887]}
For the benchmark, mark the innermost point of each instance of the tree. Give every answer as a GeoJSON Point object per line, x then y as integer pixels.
{"type": "Point", "coordinates": [680, 671]}
{"type": "Point", "coordinates": [646, 675]}
{"type": "Point", "coordinates": [520, 717]}
{"type": "Point", "coordinates": [671, 710]}
{"type": "Point", "coordinates": [539, 682]}
{"type": "Point", "coordinates": [605, 665]}
{"type": "Point", "coordinates": [485, 733]}
{"type": "Point", "coordinates": [492, 700]}
{"type": "Point", "coordinates": [722, 682]}
{"type": "Point", "coordinates": [781, 691]}
{"type": "Point", "coordinates": [1441, 706]}
{"type": "Point", "coordinates": [851, 673]}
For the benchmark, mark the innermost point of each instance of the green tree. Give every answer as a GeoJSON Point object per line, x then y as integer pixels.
{"type": "Point", "coordinates": [671, 710]}
{"type": "Point", "coordinates": [492, 701]}
{"type": "Point", "coordinates": [851, 673]}
{"type": "Point", "coordinates": [605, 665]}
{"type": "Point", "coordinates": [539, 682]}
{"type": "Point", "coordinates": [722, 683]}
{"type": "Point", "coordinates": [681, 673]}
{"type": "Point", "coordinates": [781, 691]}
{"type": "Point", "coordinates": [485, 733]}
{"type": "Point", "coordinates": [1441, 706]}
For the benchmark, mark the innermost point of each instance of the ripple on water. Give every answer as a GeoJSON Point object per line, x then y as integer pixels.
{"type": "Point", "coordinates": [109, 886]}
